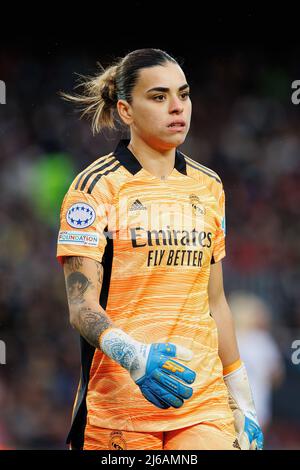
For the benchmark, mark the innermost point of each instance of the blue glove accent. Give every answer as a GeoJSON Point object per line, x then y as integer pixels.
{"type": "Point", "coordinates": [254, 433]}
{"type": "Point", "coordinates": [158, 385]}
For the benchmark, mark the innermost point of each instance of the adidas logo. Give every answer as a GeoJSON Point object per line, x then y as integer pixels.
{"type": "Point", "coordinates": [236, 445]}
{"type": "Point", "coordinates": [137, 206]}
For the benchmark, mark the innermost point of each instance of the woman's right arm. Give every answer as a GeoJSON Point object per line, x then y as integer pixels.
{"type": "Point", "coordinates": [84, 278]}
{"type": "Point", "coordinates": [150, 365]}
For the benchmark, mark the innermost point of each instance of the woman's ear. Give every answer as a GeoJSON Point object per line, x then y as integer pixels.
{"type": "Point", "coordinates": [125, 111]}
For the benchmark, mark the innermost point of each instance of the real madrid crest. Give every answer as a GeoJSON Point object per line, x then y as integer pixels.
{"type": "Point", "coordinates": [198, 208]}
{"type": "Point", "coordinates": [117, 441]}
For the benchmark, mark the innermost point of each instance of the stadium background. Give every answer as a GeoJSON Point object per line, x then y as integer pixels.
{"type": "Point", "coordinates": [244, 126]}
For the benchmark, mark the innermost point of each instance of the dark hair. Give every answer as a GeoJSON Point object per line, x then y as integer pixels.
{"type": "Point", "coordinates": [102, 91]}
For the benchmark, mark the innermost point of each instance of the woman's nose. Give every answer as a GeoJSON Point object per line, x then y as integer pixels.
{"type": "Point", "coordinates": [176, 106]}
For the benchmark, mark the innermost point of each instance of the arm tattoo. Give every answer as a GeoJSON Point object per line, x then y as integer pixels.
{"type": "Point", "coordinates": [77, 284]}
{"type": "Point", "coordinates": [74, 262]}
{"type": "Point", "coordinates": [99, 273]}
{"type": "Point", "coordinates": [91, 324]}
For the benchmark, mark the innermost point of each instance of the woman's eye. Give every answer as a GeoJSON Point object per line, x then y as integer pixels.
{"type": "Point", "coordinates": [159, 98]}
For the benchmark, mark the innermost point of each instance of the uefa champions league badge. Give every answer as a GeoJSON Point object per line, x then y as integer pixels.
{"type": "Point", "coordinates": [80, 215]}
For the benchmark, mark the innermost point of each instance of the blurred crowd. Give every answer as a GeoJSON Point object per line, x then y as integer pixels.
{"type": "Point", "coordinates": [244, 127]}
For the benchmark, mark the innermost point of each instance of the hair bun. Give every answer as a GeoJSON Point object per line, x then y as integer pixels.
{"type": "Point", "coordinates": [109, 92]}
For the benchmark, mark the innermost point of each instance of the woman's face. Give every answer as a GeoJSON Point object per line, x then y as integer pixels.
{"type": "Point", "coordinates": [160, 111]}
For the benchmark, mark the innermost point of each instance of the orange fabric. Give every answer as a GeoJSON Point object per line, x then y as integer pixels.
{"type": "Point", "coordinates": [165, 234]}
{"type": "Point", "coordinates": [232, 367]}
{"type": "Point", "coordinates": [109, 439]}
{"type": "Point", "coordinates": [209, 435]}
{"type": "Point", "coordinates": [214, 435]}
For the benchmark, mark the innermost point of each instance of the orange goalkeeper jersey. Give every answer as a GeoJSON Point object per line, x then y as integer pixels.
{"type": "Point", "coordinates": [156, 240]}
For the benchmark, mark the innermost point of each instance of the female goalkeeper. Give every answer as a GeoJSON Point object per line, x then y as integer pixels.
{"type": "Point", "coordinates": [141, 242]}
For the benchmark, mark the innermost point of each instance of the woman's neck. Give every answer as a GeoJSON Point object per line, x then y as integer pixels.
{"type": "Point", "coordinates": [158, 163]}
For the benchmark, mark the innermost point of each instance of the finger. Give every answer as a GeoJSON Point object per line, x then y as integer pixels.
{"type": "Point", "coordinates": [168, 349]}
{"type": "Point", "coordinates": [157, 359]}
{"type": "Point", "coordinates": [260, 442]}
{"type": "Point", "coordinates": [153, 399]}
{"type": "Point", "coordinates": [171, 384]}
{"type": "Point", "coordinates": [173, 350]}
{"type": "Point", "coordinates": [183, 353]}
{"type": "Point", "coordinates": [253, 445]}
{"type": "Point", "coordinates": [170, 366]}
{"type": "Point", "coordinates": [164, 395]}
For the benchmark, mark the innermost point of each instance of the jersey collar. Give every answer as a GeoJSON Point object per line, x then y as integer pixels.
{"type": "Point", "coordinates": [128, 160]}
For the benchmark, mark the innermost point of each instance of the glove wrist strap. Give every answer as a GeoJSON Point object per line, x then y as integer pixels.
{"type": "Point", "coordinates": [232, 367]}
{"type": "Point", "coordinates": [239, 388]}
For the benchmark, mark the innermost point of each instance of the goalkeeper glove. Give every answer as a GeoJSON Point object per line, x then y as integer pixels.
{"type": "Point", "coordinates": [241, 402]}
{"type": "Point", "coordinates": [151, 367]}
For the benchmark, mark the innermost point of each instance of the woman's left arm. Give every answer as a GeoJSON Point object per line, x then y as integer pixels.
{"type": "Point", "coordinates": [241, 401]}
{"type": "Point", "coordinates": [220, 311]}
